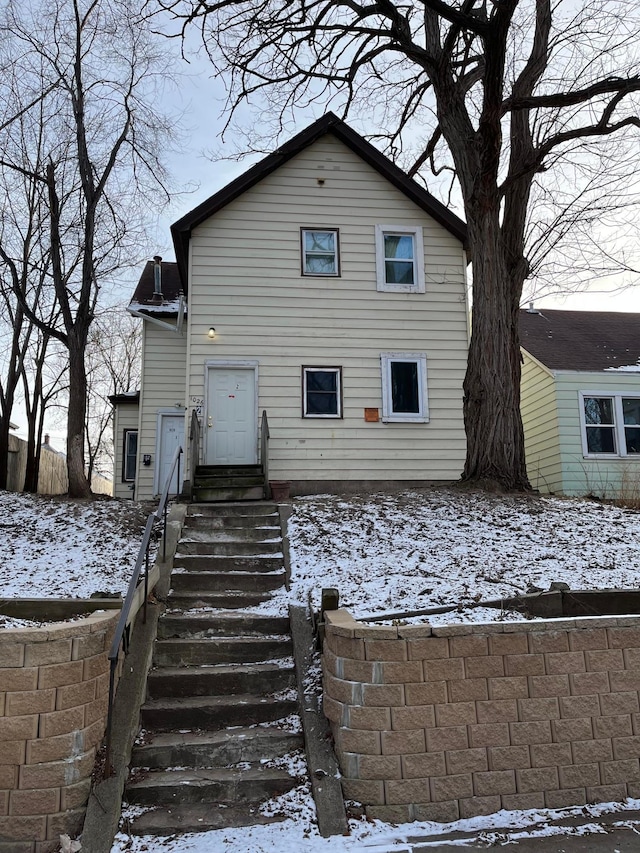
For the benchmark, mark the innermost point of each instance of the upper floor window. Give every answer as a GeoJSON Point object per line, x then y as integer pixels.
{"type": "Point", "coordinates": [404, 387]}
{"type": "Point", "coordinates": [130, 455]}
{"type": "Point", "coordinates": [400, 258]}
{"type": "Point", "coordinates": [320, 251]}
{"type": "Point", "coordinates": [610, 424]}
{"type": "Point", "coordinates": [321, 392]}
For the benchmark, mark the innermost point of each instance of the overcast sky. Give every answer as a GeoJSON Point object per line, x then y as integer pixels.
{"type": "Point", "coordinates": [198, 175]}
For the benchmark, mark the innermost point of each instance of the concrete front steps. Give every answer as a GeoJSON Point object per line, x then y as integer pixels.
{"type": "Point", "coordinates": [220, 719]}
{"type": "Point", "coordinates": [228, 483]}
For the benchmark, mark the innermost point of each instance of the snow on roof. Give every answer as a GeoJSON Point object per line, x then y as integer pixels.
{"type": "Point", "coordinates": [627, 368]}
{"type": "Point", "coordinates": [169, 307]}
{"type": "Point", "coordinates": [581, 340]}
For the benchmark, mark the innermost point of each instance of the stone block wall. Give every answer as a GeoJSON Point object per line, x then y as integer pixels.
{"type": "Point", "coordinates": [441, 723]}
{"type": "Point", "coordinates": [54, 688]}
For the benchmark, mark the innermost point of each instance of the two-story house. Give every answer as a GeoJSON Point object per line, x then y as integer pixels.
{"type": "Point", "coordinates": [323, 287]}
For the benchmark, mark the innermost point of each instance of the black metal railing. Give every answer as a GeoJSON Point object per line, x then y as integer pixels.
{"type": "Point", "coordinates": [264, 451]}
{"type": "Point", "coordinates": [194, 447]}
{"type": "Point", "coordinates": [123, 628]}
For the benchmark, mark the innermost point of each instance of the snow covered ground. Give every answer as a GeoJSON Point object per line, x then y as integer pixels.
{"type": "Point", "coordinates": [385, 553]}
{"type": "Point", "coordinates": [417, 550]}
{"type": "Point", "coordinates": [56, 548]}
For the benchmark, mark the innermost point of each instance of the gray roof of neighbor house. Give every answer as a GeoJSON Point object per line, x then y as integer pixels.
{"type": "Point", "coordinates": [581, 340]}
{"type": "Point", "coordinates": [329, 123]}
{"type": "Point", "coordinates": [142, 299]}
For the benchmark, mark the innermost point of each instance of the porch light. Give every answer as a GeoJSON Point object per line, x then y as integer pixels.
{"type": "Point", "coordinates": [211, 333]}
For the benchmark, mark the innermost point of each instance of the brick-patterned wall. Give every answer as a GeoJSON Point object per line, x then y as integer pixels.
{"type": "Point", "coordinates": [54, 688]}
{"type": "Point", "coordinates": [437, 723]}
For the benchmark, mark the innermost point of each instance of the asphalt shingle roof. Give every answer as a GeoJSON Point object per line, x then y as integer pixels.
{"type": "Point", "coordinates": [581, 340]}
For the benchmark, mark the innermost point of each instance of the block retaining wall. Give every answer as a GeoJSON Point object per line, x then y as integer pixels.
{"type": "Point", "coordinates": [440, 723]}
{"type": "Point", "coordinates": [54, 689]}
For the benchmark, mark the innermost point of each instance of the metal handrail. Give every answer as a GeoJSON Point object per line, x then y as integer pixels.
{"type": "Point", "coordinates": [122, 632]}
{"type": "Point", "coordinates": [264, 451]}
{"type": "Point", "coordinates": [194, 448]}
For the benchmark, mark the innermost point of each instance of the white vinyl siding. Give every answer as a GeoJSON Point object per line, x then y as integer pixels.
{"type": "Point", "coordinates": [163, 388]}
{"type": "Point", "coordinates": [245, 280]}
{"type": "Point", "coordinates": [126, 418]}
{"type": "Point", "coordinates": [540, 423]}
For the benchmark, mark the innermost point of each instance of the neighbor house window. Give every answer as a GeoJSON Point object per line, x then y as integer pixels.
{"type": "Point", "coordinates": [320, 251]}
{"type": "Point", "coordinates": [399, 258]}
{"type": "Point", "coordinates": [322, 392]}
{"type": "Point", "coordinates": [130, 455]}
{"type": "Point", "coordinates": [404, 387]}
{"type": "Point", "coordinates": [610, 424]}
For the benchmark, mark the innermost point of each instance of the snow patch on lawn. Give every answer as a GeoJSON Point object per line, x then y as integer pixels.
{"type": "Point", "coordinates": [60, 548]}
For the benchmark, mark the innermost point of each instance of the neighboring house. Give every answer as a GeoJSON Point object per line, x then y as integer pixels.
{"type": "Point", "coordinates": [125, 434]}
{"type": "Point", "coordinates": [326, 288]}
{"type": "Point", "coordinates": [581, 401]}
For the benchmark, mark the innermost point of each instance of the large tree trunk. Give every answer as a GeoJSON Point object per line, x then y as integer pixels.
{"type": "Point", "coordinates": [78, 484]}
{"type": "Point", "coordinates": [495, 438]}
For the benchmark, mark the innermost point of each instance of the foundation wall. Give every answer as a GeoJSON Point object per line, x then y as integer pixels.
{"type": "Point", "coordinates": [441, 723]}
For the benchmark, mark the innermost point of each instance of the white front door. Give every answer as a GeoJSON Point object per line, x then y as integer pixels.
{"type": "Point", "coordinates": [171, 436]}
{"type": "Point", "coordinates": [230, 422]}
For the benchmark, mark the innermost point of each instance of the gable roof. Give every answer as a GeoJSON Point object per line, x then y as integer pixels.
{"type": "Point", "coordinates": [581, 340]}
{"type": "Point", "coordinates": [329, 123]}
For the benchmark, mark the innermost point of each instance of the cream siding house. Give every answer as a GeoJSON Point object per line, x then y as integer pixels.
{"type": "Point", "coordinates": [580, 404]}
{"type": "Point", "coordinates": [327, 289]}
{"type": "Point", "coordinates": [125, 443]}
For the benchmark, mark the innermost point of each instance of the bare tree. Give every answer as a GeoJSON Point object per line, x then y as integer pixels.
{"type": "Point", "coordinates": [502, 96]}
{"type": "Point", "coordinates": [24, 271]}
{"type": "Point", "coordinates": [89, 73]}
{"type": "Point", "coordinates": [114, 362]}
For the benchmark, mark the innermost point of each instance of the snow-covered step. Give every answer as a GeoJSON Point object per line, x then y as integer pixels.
{"type": "Point", "coordinates": [213, 712]}
{"type": "Point", "coordinates": [206, 785]}
{"type": "Point", "coordinates": [220, 581]}
{"type": "Point", "coordinates": [224, 563]}
{"type": "Point", "coordinates": [228, 599]}
{"type": "Point", "coordinates": [230, 624]}
{"type": "Point", "coordinates": [190, 651]}
{"type": "Point", "coordinates": [230, 533]}
{"type": "Point", "coordinates": [214, 749]}
{"type": "Point", "coordinates": [258, 679]}
{"type": "Point", "coordinates": [258, 548]}
{"type": "Point", "coordinates": [232, 509]}
{"type": "Point", "coordinates": [199, 817]}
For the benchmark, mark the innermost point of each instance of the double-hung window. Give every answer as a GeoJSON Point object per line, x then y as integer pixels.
{"type": "Point", "coordinates": [399, 258]}
{"type": "Point", "coordinates": [130, 455]}
{"type": "Point", "coordinates": [321, 392]}
{"type": "Point", "coordinates": [610, 424]}
{"type": "Point", "coordinates": [320, 255]}
{"type": "Point", "coordinates": [404, 387]}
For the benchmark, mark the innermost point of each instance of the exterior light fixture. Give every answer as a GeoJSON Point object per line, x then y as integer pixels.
{"type": "Point", "coordinates": [211, 333]}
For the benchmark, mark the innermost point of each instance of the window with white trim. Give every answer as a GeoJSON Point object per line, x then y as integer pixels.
{"type": "Point", "coordinates": [610, 424]}
{"type": "Point", "coordinates": [130, 455]}
{"type": "Point", "coordinates": [320, 254]}
{"type": "Point", "coordinates": [399, 258]}
{"type": "Point", "coordinates": [321, 392]}
{"type": "Point", "coordinates": [404, 387]}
